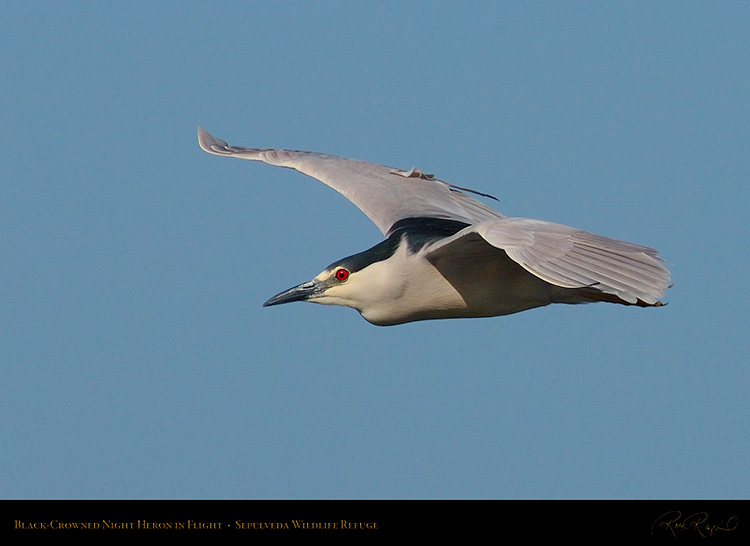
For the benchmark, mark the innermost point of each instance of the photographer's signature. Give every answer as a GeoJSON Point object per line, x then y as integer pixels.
{"type": "Point", "coordinates": [697, 522]}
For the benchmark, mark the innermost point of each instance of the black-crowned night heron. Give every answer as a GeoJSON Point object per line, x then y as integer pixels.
{"type": "Point", "coordinates": [447, 255]}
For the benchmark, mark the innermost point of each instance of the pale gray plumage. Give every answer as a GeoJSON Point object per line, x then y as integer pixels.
{"type": "Point", "coordinates": [447, 255]}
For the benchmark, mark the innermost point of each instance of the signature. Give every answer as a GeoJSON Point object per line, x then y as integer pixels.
{"type": "Point", "coordinates": [697, 522]}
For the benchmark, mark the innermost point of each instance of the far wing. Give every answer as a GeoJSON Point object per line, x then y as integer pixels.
{"type": "Point", "coordinates": [572, 258]}
{"type": "Point", "coordinates": [386, 195]}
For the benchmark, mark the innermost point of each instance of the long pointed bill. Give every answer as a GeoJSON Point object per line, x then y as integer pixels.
{"type": "Point", "coordinates": [301, 292]}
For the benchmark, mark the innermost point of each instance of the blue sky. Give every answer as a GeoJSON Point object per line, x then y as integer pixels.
{"type": "Point", "coordinates": [136, 358]}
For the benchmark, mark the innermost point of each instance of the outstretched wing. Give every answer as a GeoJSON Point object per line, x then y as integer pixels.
{"type": "Point", "coordinates": [385, 194]}
{"type": "Point", "coordinates": [572, 258]}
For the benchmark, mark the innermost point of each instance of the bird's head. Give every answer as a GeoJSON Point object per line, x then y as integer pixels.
{"type": "Point", "coordinates": [332, 287]}
{"type": "Point", "coordinates": [364, 281]}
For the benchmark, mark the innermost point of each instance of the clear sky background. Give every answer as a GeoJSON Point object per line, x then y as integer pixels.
{"type": "Point", "coordinates": [137, 361]}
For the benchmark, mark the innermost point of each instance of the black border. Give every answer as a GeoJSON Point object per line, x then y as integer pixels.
{"type": "Point", "coordinates": [271, 521]}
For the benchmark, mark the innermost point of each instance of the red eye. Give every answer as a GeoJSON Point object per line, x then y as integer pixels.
{"type": "Point", "coordinates": [342, 274]}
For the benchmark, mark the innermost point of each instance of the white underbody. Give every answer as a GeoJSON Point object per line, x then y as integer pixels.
{"type": "Point", "coordinates": [472, 283]}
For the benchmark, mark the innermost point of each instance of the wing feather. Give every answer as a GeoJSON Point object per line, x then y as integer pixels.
{"type": "Point", "coordinates": [385, 194]}
{"type": "Point", "coordinates": [572, 258]}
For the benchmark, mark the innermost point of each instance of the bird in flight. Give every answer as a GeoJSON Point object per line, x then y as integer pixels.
{"type": "Point", "coordinates": [447, 255]}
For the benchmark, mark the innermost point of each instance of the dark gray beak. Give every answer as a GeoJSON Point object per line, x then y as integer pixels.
{"type": "Point", "coordinates": [301, 292]}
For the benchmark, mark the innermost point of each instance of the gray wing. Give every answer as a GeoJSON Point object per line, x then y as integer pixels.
{"type": "Point", "coordinates": [572, 258]}
{"type": "Point", "coordinates": [385, 194]}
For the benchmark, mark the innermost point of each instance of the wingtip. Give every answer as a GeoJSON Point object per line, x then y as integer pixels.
{"type": "Point", "coordinates": [211, 144]}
